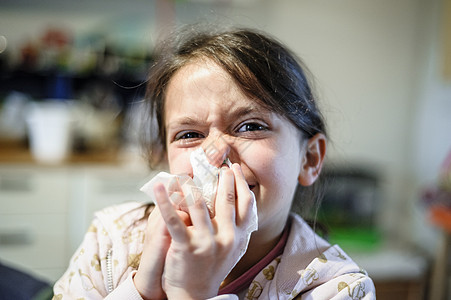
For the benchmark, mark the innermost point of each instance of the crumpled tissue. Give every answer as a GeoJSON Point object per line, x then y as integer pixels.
{"type": "Point", "coordinates": [204, 183]}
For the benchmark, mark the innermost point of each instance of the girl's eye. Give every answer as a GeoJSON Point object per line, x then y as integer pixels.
{"type": "Point", "coordinates": [188, 135]}
{"type": "Point", "coordinates": [252, 127]}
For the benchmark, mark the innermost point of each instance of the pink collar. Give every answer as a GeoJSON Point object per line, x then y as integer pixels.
{"type": "Point", "coordinates": [245, 280]}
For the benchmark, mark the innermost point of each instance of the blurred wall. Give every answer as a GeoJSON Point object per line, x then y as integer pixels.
{"type": "Point", "coordinates": [365, 57]}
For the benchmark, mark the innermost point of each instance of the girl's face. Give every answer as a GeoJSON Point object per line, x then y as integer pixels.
{"type": "Point", "coordinates": [205, 108]}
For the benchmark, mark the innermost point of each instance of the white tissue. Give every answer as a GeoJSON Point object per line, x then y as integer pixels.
{"type": "Point", "coordinates": [204, 181]}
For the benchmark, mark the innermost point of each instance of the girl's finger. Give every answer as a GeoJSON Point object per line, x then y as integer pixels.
{"type": "Point", "coordinates": [198, 211]}
{"type": "Point", "coordinates": [174, 224]}
{"type": "Point", "coordinates": [244, 194]}
{"type": "Point", "coordinates": [173, 185]}
{"type": "Point", "coordinates": [175, 191]}
{"type": "Point", "coordinates": [225, 198]}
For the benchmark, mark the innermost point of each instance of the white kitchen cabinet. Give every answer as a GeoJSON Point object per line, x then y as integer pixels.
{"type": "Point", "coordinates": [45, 211]}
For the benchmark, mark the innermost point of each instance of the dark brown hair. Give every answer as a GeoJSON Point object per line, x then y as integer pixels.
{"type": "Point", "coordinates": [261, 66]}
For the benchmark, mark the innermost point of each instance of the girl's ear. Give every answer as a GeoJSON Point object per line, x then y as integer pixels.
{"type": "Point", "coordinates": [313, 159]}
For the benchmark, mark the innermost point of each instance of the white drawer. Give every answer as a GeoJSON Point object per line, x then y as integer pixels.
{"type": "Point", "coordinates": [34, 241]}
{"type": "Point", "coordinates": [33, 191]}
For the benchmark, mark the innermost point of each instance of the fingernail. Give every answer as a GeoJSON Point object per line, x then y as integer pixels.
{"type": "Point", "coordinates": [237, 168]}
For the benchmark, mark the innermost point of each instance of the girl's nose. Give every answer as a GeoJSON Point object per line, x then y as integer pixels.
{"type": "Point", "coordinates": [217, 150]}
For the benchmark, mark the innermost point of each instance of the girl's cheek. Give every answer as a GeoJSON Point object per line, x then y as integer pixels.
{"type": "Point", "coordinates": [179, 163]}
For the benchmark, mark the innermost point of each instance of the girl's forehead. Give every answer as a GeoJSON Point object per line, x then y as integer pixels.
{"type": "Point", "coordinates": [203, 78]}
{"type": "Point", "coordinates": [202, 89]}
{"type": "Point", "coordinates": [200, 68]}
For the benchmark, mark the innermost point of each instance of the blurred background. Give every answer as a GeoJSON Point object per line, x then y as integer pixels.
{"type": "Point", "coordinates": [72, 77]}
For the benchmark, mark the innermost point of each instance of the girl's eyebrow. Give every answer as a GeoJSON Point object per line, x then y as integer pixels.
{"type": "Point", "coordinates": [185, 121]}
{"type": "Point", "coordinates": [247, 110]}
{"type": "Point", "coordinates": [234, 114]}
{"type": "Point", "coordinates": [241, 111]}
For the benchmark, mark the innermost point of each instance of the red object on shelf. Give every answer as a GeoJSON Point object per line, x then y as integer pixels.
{"type": "Point", "coordinates": [441, 217]}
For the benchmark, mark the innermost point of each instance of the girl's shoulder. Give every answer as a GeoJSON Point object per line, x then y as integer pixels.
{"type": "Point", "coordinates": [323, 268]}
{"type": "Point", "coordinates": [117, 219]}
{"type": "Point", "coordinates": [126, 209]}
{"type": "Point", "coordinates": [301, 233]}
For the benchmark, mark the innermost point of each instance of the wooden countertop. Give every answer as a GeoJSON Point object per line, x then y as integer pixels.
{"type": "Point", "coordinates": [18, 152]}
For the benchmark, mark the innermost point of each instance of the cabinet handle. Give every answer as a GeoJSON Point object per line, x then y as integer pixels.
{"type": "Point", "coordinates": [15, 183]}
{"type": "Point", "coordinates": [15, 237]}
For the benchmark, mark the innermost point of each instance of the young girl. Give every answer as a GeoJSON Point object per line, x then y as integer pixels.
{"type": "Point", "coordinates": [242, 97]}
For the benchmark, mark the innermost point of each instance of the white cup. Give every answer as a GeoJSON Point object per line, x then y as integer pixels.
{"type": "Point", "coordinates": [49, 131]}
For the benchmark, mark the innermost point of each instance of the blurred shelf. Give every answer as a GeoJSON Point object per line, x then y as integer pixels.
{"type": "Point", "coordinates": [18, 153]}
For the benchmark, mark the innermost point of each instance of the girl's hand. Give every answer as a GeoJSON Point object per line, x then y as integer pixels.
{"type": "Point", "coordinates": [200, 256]}
{"type": "Point", "coordinates": [147, 280]}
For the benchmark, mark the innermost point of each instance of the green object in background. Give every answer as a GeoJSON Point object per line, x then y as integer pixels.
{"type": "Point", "coordinates": [355, 239]}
